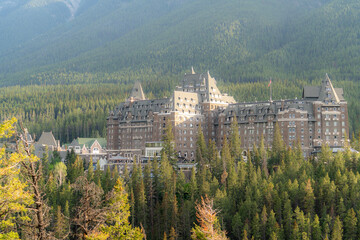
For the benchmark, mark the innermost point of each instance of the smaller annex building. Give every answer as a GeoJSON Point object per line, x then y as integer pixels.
{"type": "Point", "coordinates": [89, 147]}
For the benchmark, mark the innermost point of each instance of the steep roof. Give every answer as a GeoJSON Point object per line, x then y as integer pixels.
{"type": "Point", "coordinates": [327, 91]}
{"type": "Point", "coordinates": [137, 92]}
{"type": "Point", "coordinates": [47, 138]}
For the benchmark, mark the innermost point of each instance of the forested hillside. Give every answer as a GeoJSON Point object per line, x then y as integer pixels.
{"type": "Point", "coordinates": [238, 40]}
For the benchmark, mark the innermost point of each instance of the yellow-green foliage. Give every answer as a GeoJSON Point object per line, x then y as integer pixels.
{"type": "Point", "coordinates": [13, 195]}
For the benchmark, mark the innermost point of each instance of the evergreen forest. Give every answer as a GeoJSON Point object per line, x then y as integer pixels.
{"type": "Point", "coordinates": [275, 194]}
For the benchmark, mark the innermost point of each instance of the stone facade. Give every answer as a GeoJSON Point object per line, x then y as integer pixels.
{"type": "Point", "coordinates": [320, 117]}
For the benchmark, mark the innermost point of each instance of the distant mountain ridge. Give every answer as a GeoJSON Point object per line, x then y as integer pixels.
{"type": "Point", "coordinates": [238, 40]}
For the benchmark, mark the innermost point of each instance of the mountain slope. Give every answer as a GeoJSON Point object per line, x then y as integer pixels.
{"type": "Point", "coordinates": [237, 40]}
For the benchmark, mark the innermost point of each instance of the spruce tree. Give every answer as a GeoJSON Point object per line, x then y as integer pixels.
{"type": "Point", "coordinates": [350, 225]}
{"type": "Point", "coordinates": [316, 229]}
{"type": "Point", "coordinates": [235, 142]}
{"type": "Point", "coordinates": [337, 232]}
{"type": "Point", "coordinates": [168, 145]}
{"type": "Point", "coordinates": [90, 173]}
{"type": "Point", "coordinates": [117, 223]}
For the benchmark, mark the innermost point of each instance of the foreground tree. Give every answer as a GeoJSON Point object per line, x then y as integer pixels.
{"type": "Point", "coordinates": [32, 173]}
{"type": "Point", "coordinates": [90, 213]}
{"type": "Point", "coordinates": [209, 227]}
{"type": "Point", "coordinates": [117, 224]}
{"type": "Point", "coordinates": [14, 198]}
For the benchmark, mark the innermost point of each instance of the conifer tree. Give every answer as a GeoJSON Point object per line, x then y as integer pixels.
{"type": "Point", "coordinates": [337, 232]}
{"type": "Point", "coordinates": [272, 225]}
{"type": "Point", "coordinates": [316, 229]}
{"type": "Point", "coordinates": [264, 218]}
{"type": "Point", "coordinates": [208, 227]}
{"type": "Point", "coordinates": [215, 162]}
{"type": "Point", "coordinates": [117, 221]}
{"type": "Point", "coordinates": [172, 234]}
{"type": "Point", "coordinates": [90, 173]}
{"type": "Point", "coordinates": [235, 142]}
{"type": "Point", "coordinates": [255, 227]}
{"type": "Point", "coordinates": [309, 198]}
{"type": "Point", "coordinates": [263, 157]}
{"type": "Point", "coordinates": [106, 180]}
{"type": "Point", "coordinates": [168, 145]}
{"type": "Point", "coordinates": [193, 184]}
{"type": "Point", "coordinates": [98, 174]}
{"type": "Point", "coordinates": [277, 146]}
{"type": "Point", "coordinates": [350, 225]}
{"type": "Point", "coordinates": [226, 158]}
{"type": "Point", "coordinates": [201, 151]}
{"type": "Point", "coordinates": [45, 162]}
{"type": "Point", "coordinates": [61, 228]}
{"type": "Point", "coordinates": [245, 235]}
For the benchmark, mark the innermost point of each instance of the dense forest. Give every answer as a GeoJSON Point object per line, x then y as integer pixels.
{"type": "Point", "coordinates": [275, 194]}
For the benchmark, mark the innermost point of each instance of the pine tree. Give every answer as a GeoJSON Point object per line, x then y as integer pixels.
{"type": "Point", "coordinates": [316, 229]}
{"type": "Point", "coordinates": [277, 146]}
{"type": "Point", "coordinates": [245, 235]}
{"type": "Point", "coordinates": [168, 145]}
{"type": "Point", "coordinates": [255, 227]}
{"type": "Point", "coordinates": [117, 224]}
{"type": "Point", "coordinates": [142, 204]}
{"type": "Point", "coordinates": [193, 184]}
{"type": "Point", "coordinates": [337, 232]}
{"type": "Point", "coordinates": [208, 227]}
{"type": "Point", "coordinates": [98, 174]}
{"type": "Point", "coordinates": [350, 223]}
{"type": "Point", "coordinates": [263, 157]}
{"type": "Point", "coordinates": [201, 151]}
{"type": "Point", "coordinates": [271, 225]}
{"type": "Point", "coordinates": [215, 162]}
{"type": "Point", "coordinates": [45, 162]}
{"type": "Point", "coordinates": [172, 235]}
{"type": "Point", "coordinates": [264, 218]}
{"type": "Point", "coordinates": [106, 180]}
{"type": "Point", "coordinates": [309, 198]}
{"type": "Point", "coordinates": [235, 141]}
{"type": "Point", "coordinates": [90, 173]}
{"type": "Point", "coordinates": [226, 158]}
{"type": "Point", "coordinates": [61, 228]}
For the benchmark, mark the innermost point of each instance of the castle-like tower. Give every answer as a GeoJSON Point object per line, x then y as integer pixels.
{"type": "Point", "coordinates": [320, 117]}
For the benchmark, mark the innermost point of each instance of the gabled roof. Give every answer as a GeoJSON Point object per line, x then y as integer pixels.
{"type": "Point", "coordinates": [47, 138]}
{"type": "Point", "coordinates": [137, 92]}
{"type": "Point", "coordinates": [88, 142]}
